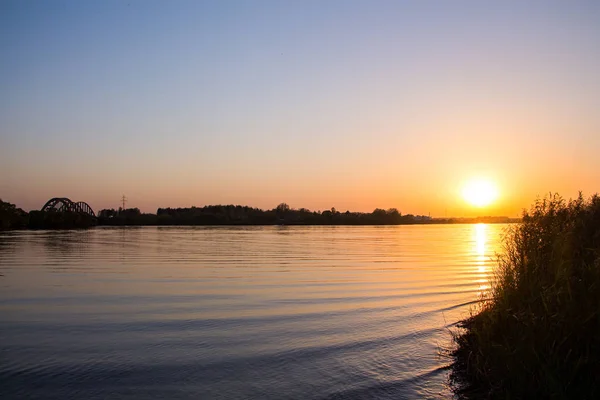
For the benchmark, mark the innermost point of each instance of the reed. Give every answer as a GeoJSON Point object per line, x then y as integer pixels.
{"type": "Point", "coordinates": [537, 335]}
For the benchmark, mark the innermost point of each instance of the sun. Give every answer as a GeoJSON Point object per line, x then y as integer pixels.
{"type": "Point", "coordinates": [480, 192]}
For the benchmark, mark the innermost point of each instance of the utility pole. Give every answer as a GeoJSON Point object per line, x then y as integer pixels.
{"type": "Point", "coordinates": [123, 200]}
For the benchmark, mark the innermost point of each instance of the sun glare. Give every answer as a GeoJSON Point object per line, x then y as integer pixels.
{"type": "Point", "coordinates": [480, 193]}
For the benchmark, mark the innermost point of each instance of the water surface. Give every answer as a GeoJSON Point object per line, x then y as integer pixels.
{"type": "Point", "coordinates": [237, 313]}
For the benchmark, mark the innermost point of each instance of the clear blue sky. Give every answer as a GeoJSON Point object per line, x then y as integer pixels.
{"type": "Point", "coordinates": [352, 104]}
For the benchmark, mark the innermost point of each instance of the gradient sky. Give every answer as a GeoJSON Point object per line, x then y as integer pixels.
{"type": "Point", "coordinates": [351, 104]}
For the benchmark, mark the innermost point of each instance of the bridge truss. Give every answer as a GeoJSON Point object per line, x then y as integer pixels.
{"type": "Point", "coordinates": [63, 204]}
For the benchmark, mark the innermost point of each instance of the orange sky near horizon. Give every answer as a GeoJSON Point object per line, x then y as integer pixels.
{"type": "Point", "coordinates": [353, 106]}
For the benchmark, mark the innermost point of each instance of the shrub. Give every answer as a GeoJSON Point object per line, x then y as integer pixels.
{"type": "Point", "coordinates": [538, 333]}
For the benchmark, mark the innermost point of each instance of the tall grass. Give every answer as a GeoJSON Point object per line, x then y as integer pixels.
{"type": "Point", "coordinates": [538, 333]}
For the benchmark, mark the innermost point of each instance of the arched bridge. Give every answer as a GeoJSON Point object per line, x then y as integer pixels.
{"type": "Point", "coordinates": [62, 204]}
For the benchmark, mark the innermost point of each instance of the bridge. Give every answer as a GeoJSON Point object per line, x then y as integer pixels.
{"type": "Point", "coordinates": [62, 204]}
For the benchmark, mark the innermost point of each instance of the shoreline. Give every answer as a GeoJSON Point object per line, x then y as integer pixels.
{"type": "Point", "coordinates": [124, 225]}
{"type": "Point", "coordinates": [62, 213]}
{"type": "Point", "coordinates": [536, 333]}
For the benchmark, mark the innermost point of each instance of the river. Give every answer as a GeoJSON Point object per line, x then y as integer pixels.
{"type": "Point", "coordinates": [237, 312]}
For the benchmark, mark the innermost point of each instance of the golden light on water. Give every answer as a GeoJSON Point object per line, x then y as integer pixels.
{"type": "Point", "coordinates": [480, 239]}
{"type": "Point", "coordinates": [480, 192]}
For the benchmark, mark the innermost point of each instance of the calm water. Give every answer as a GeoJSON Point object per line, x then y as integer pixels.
{"type": "Point", "coordinates": [236, 313]}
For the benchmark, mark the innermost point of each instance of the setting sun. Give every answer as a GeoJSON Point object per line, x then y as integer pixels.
{"type": "Point", "coordinates": [480, 193]}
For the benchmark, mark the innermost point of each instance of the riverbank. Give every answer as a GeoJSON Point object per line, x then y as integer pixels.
{"type": "Point", "coordinates": [538, 334]}
{"type": "Point", "coordinates": [15, 218]}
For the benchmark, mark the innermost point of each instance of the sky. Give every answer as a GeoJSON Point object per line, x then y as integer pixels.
{"type": "Point", "coordinates": [346, 104]}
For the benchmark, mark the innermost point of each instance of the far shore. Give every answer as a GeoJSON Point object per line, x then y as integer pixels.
{"type": "Point", "coordinates": [61, 213]}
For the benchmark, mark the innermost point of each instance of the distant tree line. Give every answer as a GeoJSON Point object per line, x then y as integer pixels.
{"type": "Point", "coordinates": [60, 220]}
{"type": "Point", "coordinates": [12, 217]}
{"type": "Point", "coordinates": [283, 214]}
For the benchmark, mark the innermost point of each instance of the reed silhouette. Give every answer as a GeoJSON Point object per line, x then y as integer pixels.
{"type": "Point", "coordinates": [538, 333]}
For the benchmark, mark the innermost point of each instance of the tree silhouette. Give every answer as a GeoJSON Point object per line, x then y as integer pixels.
{"type": "Point", "coordinates": [282, 208]}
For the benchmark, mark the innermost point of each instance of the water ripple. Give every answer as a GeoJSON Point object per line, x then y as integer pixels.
{"type": "Point", "coordinates": [236, 312]}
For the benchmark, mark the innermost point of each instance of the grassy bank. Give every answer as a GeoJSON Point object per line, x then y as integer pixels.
{"type": "Point", "coordinates": [538, 333]}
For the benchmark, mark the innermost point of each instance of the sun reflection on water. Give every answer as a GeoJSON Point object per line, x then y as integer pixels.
{"type": "Point", "coordinates": [480, 239]}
